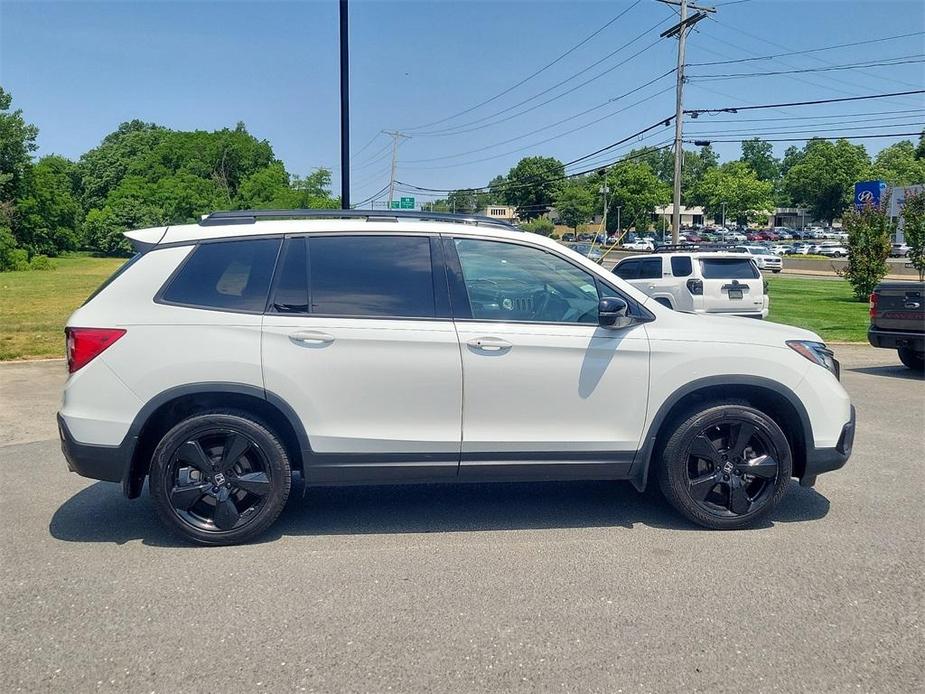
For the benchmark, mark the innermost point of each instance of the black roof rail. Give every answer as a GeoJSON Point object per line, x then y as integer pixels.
{"type": "Point", "coordinates": [696, 247]}
{"type": "Point", "coordinates": [251, 216]}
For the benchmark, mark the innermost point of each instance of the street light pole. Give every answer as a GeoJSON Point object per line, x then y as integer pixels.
{"type": "Point", "coordinates": [724, 221]}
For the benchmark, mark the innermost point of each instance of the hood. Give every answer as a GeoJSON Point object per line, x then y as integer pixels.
{"type": "Point", "coordinates": [745, 331]}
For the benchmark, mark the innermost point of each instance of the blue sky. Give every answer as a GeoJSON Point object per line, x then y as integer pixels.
{"type": "Point", "coordinates": [79, 69]}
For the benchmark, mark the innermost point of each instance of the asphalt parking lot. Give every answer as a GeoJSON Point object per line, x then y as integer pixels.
{"type": "Point", "coordinates": [564, 587]}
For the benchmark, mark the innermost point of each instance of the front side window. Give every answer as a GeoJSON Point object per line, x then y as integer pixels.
{"type": "Point", "coordinates": [376, 276]}
{"type": "Point", "coordinates": [728, 269]}
{"type": "Point", "coordinates": [509, 282]}
{"type": "Point", "coordinates": [230, 275]}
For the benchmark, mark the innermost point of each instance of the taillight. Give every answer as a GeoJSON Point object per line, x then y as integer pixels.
{"type": "Point", "coordinates": [873, 304]}
{"type": "Point", "coordinates": [85, 344]}
{"type": "Point", "coordinates": [695, 286]}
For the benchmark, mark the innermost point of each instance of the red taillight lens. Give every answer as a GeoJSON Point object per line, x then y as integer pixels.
{"type": "Point", "coordinates": [85, 344]}
{"type": "Point", "coordinates": [873, 305]}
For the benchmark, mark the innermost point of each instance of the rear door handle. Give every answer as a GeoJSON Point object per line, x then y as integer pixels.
{"type": "Point", "coordinates": [489, 344]}
{"type": "Point", "coordinates": [311, 337]}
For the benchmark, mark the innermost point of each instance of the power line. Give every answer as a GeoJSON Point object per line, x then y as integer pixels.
{"type": "Point", "coordinates": [727, 133]}
{"type": "Point", "coordinates": [829, 115]}
{"type": "Point", "coordinates": [460, 129]}
{"type": "Point", "coordinates": [360, 150]}
{"type": "Point", "coordinates": [529, 77]}
{"type": "Point", "coordinates": [806, 52]}
{"type": "Point", "coordinates": [888, 62]}
{"type": "Point", "coordinates": [804, 139]}
{"type": "Point", "coordinates": [695, 112]}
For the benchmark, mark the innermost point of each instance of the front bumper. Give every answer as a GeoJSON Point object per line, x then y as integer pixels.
{"type": "Point", "coordinates": [107, 463]}
{"type": "Point", "coordinates": [894, 339]}
{"type": "Point", "coordinates": [820, 460]}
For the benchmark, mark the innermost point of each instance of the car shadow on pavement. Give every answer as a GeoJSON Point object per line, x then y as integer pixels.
{"type": "Point", "coordinates": [898, 371]}
{"type": "Point", "coordinates": [100, 513]}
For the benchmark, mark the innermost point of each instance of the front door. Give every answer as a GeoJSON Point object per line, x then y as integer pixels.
{"type": "Point", "coordinates": [360, 343]}
{"type": "Point", "coordinates": [547, 392]}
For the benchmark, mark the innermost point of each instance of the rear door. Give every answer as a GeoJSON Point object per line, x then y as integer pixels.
{"type": "Point", "coordinates": [731, 284]}
{"type": "Point", "coordinates": [359, 341]}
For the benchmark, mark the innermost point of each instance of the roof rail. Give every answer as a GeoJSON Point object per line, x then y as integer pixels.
{"type": "Point", "coordinates": [251, 216]}
{"type": "Point", "coordinates": [692, 247]}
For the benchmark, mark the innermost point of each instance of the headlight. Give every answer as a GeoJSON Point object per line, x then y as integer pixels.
{"type": "Point", "coordinates": [816, 352]}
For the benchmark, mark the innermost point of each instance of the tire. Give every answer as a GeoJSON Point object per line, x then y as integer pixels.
{"type": "Point", "coordinates": [219, 478]}
{"type": "Point", "coordinates": [775, 271]}
{"type": "Point", "coordinates": [725, 466]}
{"type": "Point", "coordinates": [914, 360]}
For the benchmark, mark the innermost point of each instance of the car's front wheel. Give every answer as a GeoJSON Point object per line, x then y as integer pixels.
{"type": "Point", "coordinates": [219, 478]}
{"type": "Point", "coordinates": [914, 360]}
{"type": "Point", "coordinates": [726, 466]}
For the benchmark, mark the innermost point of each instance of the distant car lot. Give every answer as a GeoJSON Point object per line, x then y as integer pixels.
{"type": "Point", "coordinates": [584, 586]}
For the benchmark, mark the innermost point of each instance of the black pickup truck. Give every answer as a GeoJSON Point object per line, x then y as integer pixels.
{"type": "Point", "coordinates": [897, 320]}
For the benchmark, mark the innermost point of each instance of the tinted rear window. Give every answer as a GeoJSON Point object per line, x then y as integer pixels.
{"type": "Point", "coordinates": [728, 269]}
{"type": "Point", "coordinates": [371, 276]}
{"type": "Point", "coordinates": [650, 269]}
{"type": "Point", "coordinates": [681, 266]}
{"type": "Point", "coordinates": [232, 275]}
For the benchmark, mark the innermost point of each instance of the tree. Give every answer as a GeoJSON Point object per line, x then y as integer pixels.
{"type": "Point", "coordinates": [17, 142]}
{"type": "Point", "coordinates": [541, 225]}
{"type": "Point", "coordinates": [757, 153]}
{"type": "Point", "coordinates": [897, 165]}
{"type": "Point", "coordinates": [825, 175]}
{"type": "Point", "coordinates": [914, 231]}
{"type": "Point", "coordinates": [920, 148]}
{"type": "Point", "coordinates": [49, 214]}
{"type": "Point", "coordinates": [575, 203]}
{"type": "Point", "coordinates": [869, 231]}
{"type": "Point", "coordinates": [532, 185]}
{"type": "Point", "coordinates": [635, 188]}
{"type": "Point", "coordinates": [737, 185]}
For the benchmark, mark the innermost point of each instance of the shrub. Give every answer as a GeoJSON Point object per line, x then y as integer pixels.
{"type": "Point", "coordinates": [914, 230]}
{"type": "Point", "coordinates": [41, 262]}
{"type": "Point", "coordinates": [540, 225]}
{"type": "Point", "coordinates": [869, 231]}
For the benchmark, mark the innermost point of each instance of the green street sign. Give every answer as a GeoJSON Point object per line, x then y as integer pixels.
{"type": "Point", "coordinates": [407, 203]}
{"type": "Point", "coordinates": [395, 205]}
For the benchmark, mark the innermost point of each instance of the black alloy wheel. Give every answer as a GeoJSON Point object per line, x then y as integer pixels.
{"type": "Point", "coordinates": [725, 466]}
{"type": "Point", "coordinates": [219, 478]}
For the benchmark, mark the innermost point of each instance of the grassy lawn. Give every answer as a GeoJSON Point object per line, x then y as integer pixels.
{"type": "Point", "coordinates": [826, 307]}
{"type": "Point", "coordinates": [34, 305]}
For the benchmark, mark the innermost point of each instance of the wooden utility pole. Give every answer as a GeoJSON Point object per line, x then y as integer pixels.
{"type": "Point", "coordinates": [681, 29]}
{"type": "Point", "coordinates": [397, 137]}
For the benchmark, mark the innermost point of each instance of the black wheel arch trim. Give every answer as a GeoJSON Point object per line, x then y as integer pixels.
{"type": "Point", "coordinates": [639, 473]}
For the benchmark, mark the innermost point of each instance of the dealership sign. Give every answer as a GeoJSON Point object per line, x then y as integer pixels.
{"type": "Point", "coordinates": [869, 193]}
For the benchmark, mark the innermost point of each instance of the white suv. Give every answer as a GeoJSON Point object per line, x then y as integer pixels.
{"type": "Point", "coordinates": [699, 282]}
{"type": "Point", "coordinates": [380, 347]}
{"type": "Point", "coordinates": [765, 258]}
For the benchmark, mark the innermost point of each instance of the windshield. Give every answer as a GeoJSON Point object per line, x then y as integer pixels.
{"type": "Point", "coordinates": [728, 269]}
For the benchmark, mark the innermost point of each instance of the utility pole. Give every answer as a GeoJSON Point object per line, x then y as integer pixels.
{"type": "Point", "coordinates": [681, 29]}
{"type": "Point", "coordinates": [397, 137]}
{"type": "Point", "coordinates": [619, 207]}
{"type": "Point", "coordinates": [344, 108]}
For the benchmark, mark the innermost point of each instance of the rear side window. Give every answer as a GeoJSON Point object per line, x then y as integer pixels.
{"type": "Point", "coordinates": [681, 266]}
{"type": "Point", "coordinates": [371, 276]}
{"type": "Point", "coordinates": [728, 269]}
{"type": "Point", "coordinates": [230, 275]}
{"type": "Point", "coordinates": [628, 270]}
{"type": "Point", "coordinates": [650, 269]}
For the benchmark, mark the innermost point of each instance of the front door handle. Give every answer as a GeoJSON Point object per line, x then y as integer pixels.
{"type": "Point", "coordinates": [489, 344]}
{"type": "Point", "coordinates": [311, 337]}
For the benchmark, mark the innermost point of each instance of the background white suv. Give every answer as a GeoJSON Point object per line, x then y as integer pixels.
{"type": "Point", "coordinates": [361, 347]}
{"type": "Point", "coordinates": [699, 282]}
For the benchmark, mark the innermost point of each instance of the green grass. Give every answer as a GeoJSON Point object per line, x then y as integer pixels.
{"type": "Point", "coordinates": [826, 307]}
{"type": "Point", "coordinates": [34, 305]}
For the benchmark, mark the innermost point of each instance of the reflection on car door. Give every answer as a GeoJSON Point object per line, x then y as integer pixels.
{"type": "Point", "coordinates": [547, 392]}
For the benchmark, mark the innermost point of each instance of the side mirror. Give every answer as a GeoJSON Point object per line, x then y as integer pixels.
{"type": "Point", "coordinates": [611, 313]}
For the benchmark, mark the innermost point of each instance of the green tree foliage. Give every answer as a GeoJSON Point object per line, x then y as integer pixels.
{"type": "Point", "coordinates": [914, 230]}
{"type": "Point", "coordinates": [758, 154]}
{"type": "Point", "coordinates": [920, 147]}
{"type": "Point", "coordinates": [824, 176]}
{"type": "Point", "coordinates": [531, 186]}
{"type": "Point", "coordinates": [575, 202]}
{"type": "Point", "coordinates": [636, 188]}
{"type": "Point", "coordinates": [17, 142]}
{"type": "Point", "coordinates": [694, 165]}
{"type": "Point", "coordinates": [50, 212]}
{"type": "Point", "coordinates": [541, 225]}
{"type": "Point", "coordinates": [869, 231]}
{"type": "Point", "coordinates": [898, 165]}
{"type": "Point", "coordinates": [736, 184]}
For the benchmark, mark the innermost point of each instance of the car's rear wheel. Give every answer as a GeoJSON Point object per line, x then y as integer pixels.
{"type": "Point", "coordinates": [219, 478]}
{"type": "Point", "coordinates": [914, 360]}
{"type": "Point", "coordinates": [726, 466]}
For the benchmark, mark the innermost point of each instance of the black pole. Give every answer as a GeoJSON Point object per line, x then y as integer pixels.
{"type": "Point", "coordinates": [344, 109]}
